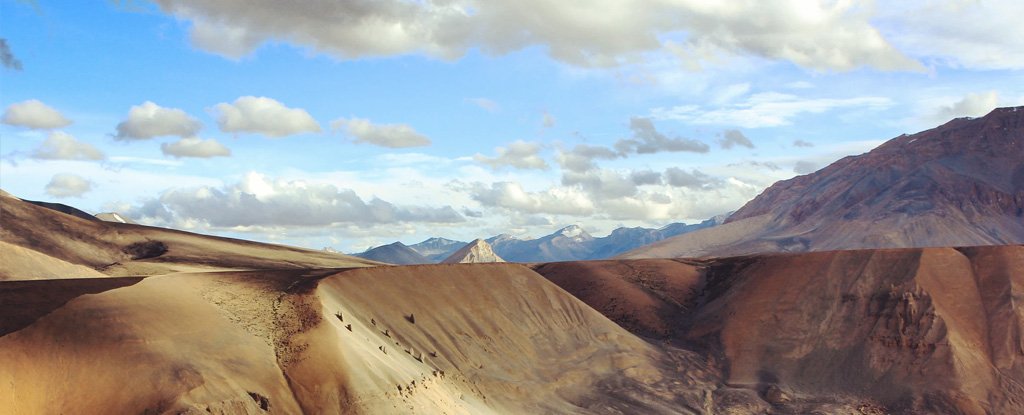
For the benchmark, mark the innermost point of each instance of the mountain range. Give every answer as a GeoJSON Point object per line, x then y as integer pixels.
{"type": "Point", "coordinates": [959, 184]}
{"type": "Point", "coordinates": [570, 243]}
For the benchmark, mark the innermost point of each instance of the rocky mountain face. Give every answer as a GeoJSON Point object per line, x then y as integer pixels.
{"type": "Point", "coordinates": [395, 253]}
{"type": "Point", "coordinates": [478, 251]}
{"type": "Point", "coordinates": [959, 184]}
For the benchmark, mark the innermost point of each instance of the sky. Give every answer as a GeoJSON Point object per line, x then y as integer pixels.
{"type": "Point", "coordinates": [351, 124]}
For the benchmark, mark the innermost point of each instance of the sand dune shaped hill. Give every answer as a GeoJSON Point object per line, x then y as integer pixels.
{"type": "Point", "coordinates": [425, 339]}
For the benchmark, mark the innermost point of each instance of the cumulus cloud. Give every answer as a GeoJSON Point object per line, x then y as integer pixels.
{"type": "Point", "coordinates": [805, 167]}
{"type": "Point", "coordinates": [262, 115]}
{"type": "Point", "coordinates": [258, 201]}
{"type": "Point", "coordinates": [972, 105]}
{"type": "Point", "coordinates": [693, 179]}
{"type": "Point", "coordinates": [602, 183]}
{"type": "Point", "coordinates": [647, 140]}
{"type": "Point", "coordinates": [768, 109]}
{"type": "Point", "coordinates": [486, 104]}
{"type": "Point", "coordinates": [732, 138]}
{"type": "Point", "coordinates": [67, 185]}
{"type": "Point", "coordinates": [7, 57]}
{"type": "Point", "coordinates": [34, 114]}
{"type": "Point", "coordinates": [519, 154]}
{"type": "Point", "coordinates": [818, 34]}
{"type": "Point", "coordinates": [151, 120]}
{"type": "Point", "coordinates": [581, 157]}
{"type": "Point", "coordinates": [512, 196]}
{"type": "Point", "coordinates": [802, 143]}
{"type": "Point", "coordinates": [195, 147]}
{"type": "Point", "coordinates": [384, 135]}
{"type": "Point", "coordinates": [63, 146]}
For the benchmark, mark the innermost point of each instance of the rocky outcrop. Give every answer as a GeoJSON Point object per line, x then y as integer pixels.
{"type": "Point", "coordinates": [477, 251]}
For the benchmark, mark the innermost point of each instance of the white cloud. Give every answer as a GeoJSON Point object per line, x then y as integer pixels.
{"type": "Point", "coordinates": [260, 202]}
{"type": "Point", "coordinates": [384, 135]}
{"type": "Point", "coordinates": [195, 147]}
{"type": "Point", "coordinates": [519, 154]}
{"type": "Point", "coordinates": [581, 157]}
{"type": "Point", "coordinates": [262, 115]}
{"type": "Point", "coordinates": [768, 109]}
{"type": "Point", "coordinates": [981, 35]}
{"type": "Point", "coordinates": [731, 138]}
{"type": "Point", "coordinates": [647, 140]}
{"type": "Point", "coordinates": [693, 179]}
{"type": "Point", "coordinates": [151, 120]}
{"type": "Point", "coordinates": [67, 185]}
{"type": "Point", "coordinates": [512, 196]}
{"type": "Point", "coordinates": [802, 143]}
{"type": "Point", "coordinates": [816, 34]}
{"type": "Point", "coordinates": [63, 146]}
{"type": "Point", "coordinates": [972, 105]}
{"type": "Point", "coordinates": [34, 114]}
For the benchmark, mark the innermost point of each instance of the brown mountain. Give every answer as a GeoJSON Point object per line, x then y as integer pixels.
{"type": "Point", "coordinates": [959, 184]}
{"type": "Point", "coordinates": [916, 330]}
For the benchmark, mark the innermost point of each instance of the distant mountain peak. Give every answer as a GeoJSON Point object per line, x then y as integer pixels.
{"type": "Point", "coordinates": [474, 252]}
{"type": "Point", "coordinates": [574, 232]}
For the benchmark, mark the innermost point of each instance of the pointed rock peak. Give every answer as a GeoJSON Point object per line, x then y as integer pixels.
{"type": "Point", "coordinates": [474, 252]}
{"type": "Point", "coordinates": [574, 232]}
{"type": "Point", "coordinates": [113, 217]}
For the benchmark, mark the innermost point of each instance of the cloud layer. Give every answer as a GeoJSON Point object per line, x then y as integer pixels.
{"type": "Point", "coordinates": [258, 201]}
{"type": "Point", "coordinates": [34, 114]}
{"type": "Point", "coordinates": [811, 33]}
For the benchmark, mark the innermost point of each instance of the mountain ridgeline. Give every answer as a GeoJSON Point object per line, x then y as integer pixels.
{"type": "Point", "coordinates": [959, 184]}
{"type": "Point", "coordinates": [570, 243]}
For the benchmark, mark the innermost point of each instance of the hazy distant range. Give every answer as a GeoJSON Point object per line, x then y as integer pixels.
{"type": "Point", "coordinates": [570, 243]}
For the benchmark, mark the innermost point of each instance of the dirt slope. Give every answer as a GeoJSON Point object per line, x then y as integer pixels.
{"type": "Point", "coordinates": [937, 330]}
{"type": "Point", "coordinates": [471, 339]}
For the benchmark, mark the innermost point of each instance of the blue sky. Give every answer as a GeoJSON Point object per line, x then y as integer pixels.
{"type": "Point", "coordinates": [357, 123]}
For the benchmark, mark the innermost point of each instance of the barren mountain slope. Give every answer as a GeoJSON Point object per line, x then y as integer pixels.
{"type": "Point", "coordinates": [960, 184]}
{"type": "Point", "coordinates": [472, 339]}
{"type": "Point", "coordinates": [126, 249]}
{"type": "Point", "coordinates": [935, 330]}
